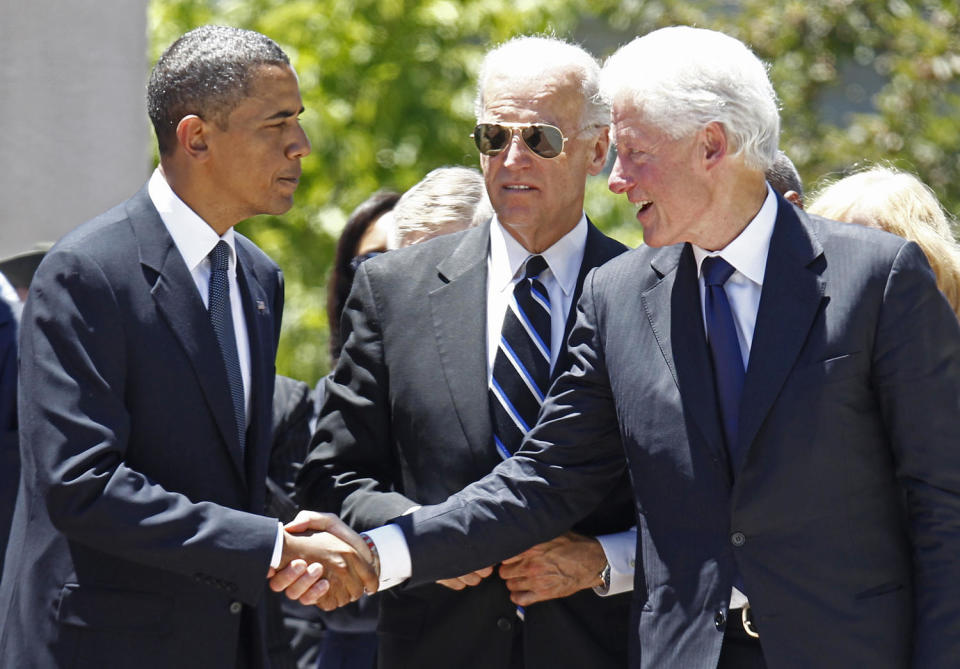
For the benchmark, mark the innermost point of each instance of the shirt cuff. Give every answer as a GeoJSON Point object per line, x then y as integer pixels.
{"type": "Point", "coordinates": [277, 547]}
{"type": "Point", "coordinates": [621, 551]}
{"type": "Point", "coordinates": [394, 555]}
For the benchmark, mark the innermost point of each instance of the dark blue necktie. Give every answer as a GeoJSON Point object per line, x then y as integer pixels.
{"type": "Point", "coordinates": [221, 315]}
{"type": "Point", "coordinates": [728, 369]}
{"type": "Point", "coordinates": [521, 368]}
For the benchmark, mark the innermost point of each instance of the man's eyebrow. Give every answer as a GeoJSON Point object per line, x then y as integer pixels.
{"type": "Point", "coordinates": [285, 113]}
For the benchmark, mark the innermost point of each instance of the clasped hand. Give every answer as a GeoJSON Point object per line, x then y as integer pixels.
{"type": "Point", "coordinates": [324, 562]}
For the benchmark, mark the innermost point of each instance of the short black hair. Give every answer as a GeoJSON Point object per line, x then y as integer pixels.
{"type": "Point", "coordinates": [206, 72]}
{"type": "Point", "coordinates": [783, 175]}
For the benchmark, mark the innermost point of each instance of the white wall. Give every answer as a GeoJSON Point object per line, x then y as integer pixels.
{"type": "Point", "coordinates": [74, 133]}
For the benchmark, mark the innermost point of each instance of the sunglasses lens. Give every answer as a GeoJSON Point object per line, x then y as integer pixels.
{"type": "Point", "coordinates": [491, 138]}
{"type": "Point", "coordinates": [544, 140]}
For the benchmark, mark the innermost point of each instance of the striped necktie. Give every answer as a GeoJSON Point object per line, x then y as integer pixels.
{"type": "Point", "coordinates": [521, 368]}
{"type": "Point", "coordinates": [221, 315]}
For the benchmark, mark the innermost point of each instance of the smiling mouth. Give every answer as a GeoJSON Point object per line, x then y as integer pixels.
{"type": "Point", "coordinates": [518, 188]}
{"type": "Point", "coordinates": [643, 205]}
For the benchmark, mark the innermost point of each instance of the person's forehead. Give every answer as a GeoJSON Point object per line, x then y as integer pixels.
{"type": "Point", "coordinates": [550, 98]}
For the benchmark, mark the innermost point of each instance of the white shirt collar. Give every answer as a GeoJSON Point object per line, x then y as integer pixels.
{"type": "Point", "coordinates": [747, 253]}
{"type": "Point", "coordinates": [564, 258]}
{"type": "Point", "coordinates": [193, 237]}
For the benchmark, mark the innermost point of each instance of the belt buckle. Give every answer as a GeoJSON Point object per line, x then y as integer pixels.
{"type": "Point", "coordinates": [747, 621]}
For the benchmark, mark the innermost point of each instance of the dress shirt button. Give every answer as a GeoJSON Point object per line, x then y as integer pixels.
{"type": "Point", "coordinates": [738, 539]}
{"type": "Point", "coordinates": [236, 607]}
{"type": "Point", "coordinates": [504, 624]}
{"type": "Point", "coordinates": [720, 620]}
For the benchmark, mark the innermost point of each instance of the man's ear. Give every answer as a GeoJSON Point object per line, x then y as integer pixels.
{"type": "Point", "coordinates": [714, 137]}
{"type": "Point", "coordinates": [599, 151]}
{"type": "Point", "coordinates": [192, 136]}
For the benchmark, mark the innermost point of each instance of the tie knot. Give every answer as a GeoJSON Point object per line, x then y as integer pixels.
{"type": "Point", "coordinates": [220, 256]}
{"type": "Point", "coordinates": [716, 271]}
{"type": "Point", "coordinates": [535, 265]}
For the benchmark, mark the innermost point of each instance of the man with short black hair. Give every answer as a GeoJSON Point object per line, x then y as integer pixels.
{"type": "Point", "coordinates": [146, 387]}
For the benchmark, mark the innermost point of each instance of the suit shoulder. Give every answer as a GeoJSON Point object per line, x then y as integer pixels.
{"type": "Point", "coordinates": [631, 265]}
{"type": "Point", "coordinates": [835, 235]}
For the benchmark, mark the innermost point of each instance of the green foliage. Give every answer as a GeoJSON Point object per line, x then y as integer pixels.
{"type": "Point", "coordinates": [389, 86]}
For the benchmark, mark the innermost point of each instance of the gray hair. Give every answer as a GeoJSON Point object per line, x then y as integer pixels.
{"type": "Point", "coordinates": [206, 72]}
{"type": "Point", "coordinates": [545, 54]}
{"type": "Point", "coordinates": [683, 78]}
{"type": "Point", "coordinates": [448, 199]}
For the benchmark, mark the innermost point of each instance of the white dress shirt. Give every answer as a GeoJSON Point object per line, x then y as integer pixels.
{"type": "Point", "coordinates": [504, 264]}
{"type": "Point", "coordinates": [195, 239]}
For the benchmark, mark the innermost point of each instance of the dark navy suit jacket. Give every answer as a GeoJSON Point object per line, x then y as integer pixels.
{"type": "Point", "coordinates": [406, 421]}
{"type": "Point", "coordinates": [135, 540]}
{"type": "Point", "coordinates": [843, 517]}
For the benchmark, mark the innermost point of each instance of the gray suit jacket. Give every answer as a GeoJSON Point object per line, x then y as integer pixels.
{"type": "Point", "coordinates": [406, 421]}
{"type": "Point", "coordinates": [843, 517]}
{"type": "Point", "coordinates": [135, 541]}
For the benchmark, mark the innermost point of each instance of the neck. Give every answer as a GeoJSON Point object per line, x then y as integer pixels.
{"type": "Point", "coordinates": [741, 204]}
{"type": "Point", "coordinates": [539, 239]}
{"type": "Point", "coordinates": [189, 188]}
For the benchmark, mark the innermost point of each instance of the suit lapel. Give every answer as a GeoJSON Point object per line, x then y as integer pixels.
{"type": "Point", "coordinates": [256, 310]}
{"type": "Point", "coordinates": [673, 309]}
{"type": "Point", "coordinates": [792, 293]}
{"type": "Point", "coordinates": [178, 301]}
{"type": "Point", "coordinates": [458, 309]}
{"type": "Point", "coordinates": [598, 249]}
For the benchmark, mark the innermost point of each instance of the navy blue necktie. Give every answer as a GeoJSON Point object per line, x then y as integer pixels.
{"type": "Point", "coordinates": [521, 368]}
{"type": "Point", "coordinates": [221, 315]}
{"type": "Point", "coordinates": [728, 369]}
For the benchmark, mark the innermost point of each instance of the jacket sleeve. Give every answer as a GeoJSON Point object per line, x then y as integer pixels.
{"type": "Point", "coordinates": [566, 465]}
{"type": "Point", "coordinates": [916, 363]}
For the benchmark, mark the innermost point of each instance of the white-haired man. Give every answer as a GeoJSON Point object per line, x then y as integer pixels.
{"type": "Point", "coordinates": [790, 427]}
{"type": "Point", "coordinates": [428, 395]}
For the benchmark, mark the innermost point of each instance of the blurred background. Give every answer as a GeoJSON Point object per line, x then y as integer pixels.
{"type": "Point", "coordinates": [388, 87]}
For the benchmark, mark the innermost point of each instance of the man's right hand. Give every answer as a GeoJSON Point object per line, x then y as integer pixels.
{"type": "Point", "coordinates": [467, 580]}
{"type": "Point", "coordinates": [323, 563]}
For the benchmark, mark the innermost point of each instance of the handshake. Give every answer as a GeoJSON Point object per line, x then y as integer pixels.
{"type": "Point", "coordinates": [324, 563]}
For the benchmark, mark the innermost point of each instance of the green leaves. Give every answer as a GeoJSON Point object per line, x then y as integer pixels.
{"type": "Point", "coordinates": [389, 85]}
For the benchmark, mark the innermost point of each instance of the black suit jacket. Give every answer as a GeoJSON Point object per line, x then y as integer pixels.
{"type": "Point", "coordinates": [136, 540]}
{"type": "Point", "coordinates": [406, 421]}
{"type": "Point", "coordinates": [843, 517]}
{"type": "Point", "coordinates": [9, 448]}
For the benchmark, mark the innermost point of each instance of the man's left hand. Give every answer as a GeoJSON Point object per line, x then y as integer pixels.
{"type": "Point", "coordinates": [553, 569]}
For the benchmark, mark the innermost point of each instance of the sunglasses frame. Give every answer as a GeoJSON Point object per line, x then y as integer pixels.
{"type": "Point", "coordinates": [513, 128]}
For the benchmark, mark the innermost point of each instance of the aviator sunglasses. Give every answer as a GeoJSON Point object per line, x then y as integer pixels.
{"type": "Point", "coordinates": [544, 140]}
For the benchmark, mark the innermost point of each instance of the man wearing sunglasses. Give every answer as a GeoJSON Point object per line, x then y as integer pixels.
{"type": "Point", "coordinates": [416, 407]}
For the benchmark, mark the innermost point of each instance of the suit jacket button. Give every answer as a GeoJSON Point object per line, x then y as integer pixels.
{"type": "Point", "coordinates": [236, 607]}
{"type": "Point", "coordinates": [504, 624]}
{"type": "Point", "coordinates": [738, 539]}
{"type": "Point", "coordinates": [720, 620]}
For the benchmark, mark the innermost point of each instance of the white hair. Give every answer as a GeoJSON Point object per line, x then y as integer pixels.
{"type": "Point", "coordinates": [448, 199]}
{"type": "Point", "coordinates": [683, 78]}
{"type": "Point", "coordinates": [540, 55]}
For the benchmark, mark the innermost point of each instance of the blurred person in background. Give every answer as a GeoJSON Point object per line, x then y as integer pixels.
{"type": "Point", "coordinates": [784, 178]}
{"type": "Point", "coordinates": [363, 236]}
{"type": "Point", "coordinates": [898, 202]}
{"type": "Point", "coordinates": [448, 199]}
